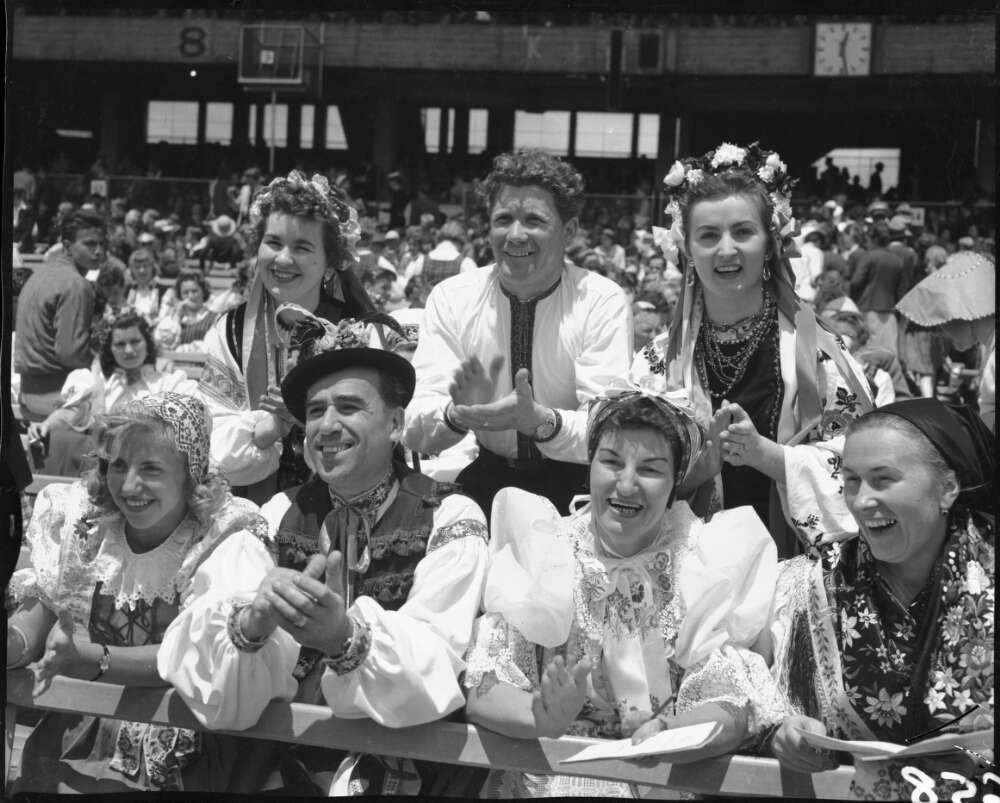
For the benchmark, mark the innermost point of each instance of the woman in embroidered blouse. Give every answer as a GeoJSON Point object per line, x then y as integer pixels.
{"type": "Point", "coordinates": [186, 326]}
{"type": "Point", "coordinates": [627, 617]}
{"type": "Point", "coordinates": [111, 563]}
{"type": "Point", "coordinates": [891, 634]}
{"type": "Point", "coordinates": [773, 385]}
{"type": "Point", "coordinates": [305, 232]}
{"type": "Point", "coordinates": [144, 294]}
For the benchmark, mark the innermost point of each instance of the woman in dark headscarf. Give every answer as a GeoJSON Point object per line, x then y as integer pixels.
{"type": "Point", "coordinates": [890, 635]}
{"type": "Point", "coordinates": [305, 231]}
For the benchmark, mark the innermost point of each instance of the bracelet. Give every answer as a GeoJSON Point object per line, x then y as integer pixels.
{"type": "Point", "coordinates": [103, 663]}
{"type": "Point", "coordinates": [21, 658]}
{"type": "Point", "coordinates": [450, 422]}
{"type": "Point", "coordinates": [235, 629]}
{"type": "Point", "coordinates": [355, 648]}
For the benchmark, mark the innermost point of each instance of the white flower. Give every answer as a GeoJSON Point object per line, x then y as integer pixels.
{"type": "Point", "coordinates": [975, 578]}
{"type": "Point", "coordinates": [782, 206]}
{"type": "Point", "coordinates": [775, 161]}
{"type": "Point", "coordinates": [963, 699]}
{"type": "Point", "coordinates": [934, 700]}
{"type": "Point", "coordinates": [766, 173]}
{"type": "Point", "coordinates": [673, 209]}
{"type": "Point", "coordinates": [694, 177]}
{"type": "Point", "coordinates": [847, 628]}
{"type": "Point", "coordinates": [886, 709]}
{"type": "Point", "coordinates": [675, 177]}
{"type": "Point", "coordinates": [728, 154]}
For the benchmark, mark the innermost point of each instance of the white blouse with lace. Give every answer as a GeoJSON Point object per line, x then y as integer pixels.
{"type": "Point", "coordinates": [669, 627]}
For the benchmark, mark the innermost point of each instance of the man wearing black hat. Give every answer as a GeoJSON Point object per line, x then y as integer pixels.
{"type": "Point", "coordinates": [380, 569]}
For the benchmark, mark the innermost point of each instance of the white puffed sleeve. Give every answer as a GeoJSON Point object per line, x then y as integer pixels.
{"type": "Point", "coordinates": [222, 387]}
{"type": "Point", "coordinates": [82, 397]}
{"type": "Point", "coordinates": [226, 688]}
{"type": "Point", "coordinates": [727, 586]}
{"type": "Point", "coordinates": [812, 495]}
{"type": "Point", "coordinates": [409, 675]}
{"type": "Point", "coordinates": [167, 331]}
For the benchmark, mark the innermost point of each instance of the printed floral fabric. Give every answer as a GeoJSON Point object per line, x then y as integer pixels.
{"type": "Point", "coordinates": [881, 641]}
{"type": "Point", "coordinates": [847, 652]}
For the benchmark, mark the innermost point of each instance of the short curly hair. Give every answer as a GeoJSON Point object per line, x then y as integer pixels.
{"type": "Point", "coordinates": [204, 499]}
{"type": "Point", "coordinates": [533, 166]}
{"type": "Point", "coordinates": [126, 320]}
{"type": "Point", "coordinates": [297, 197]}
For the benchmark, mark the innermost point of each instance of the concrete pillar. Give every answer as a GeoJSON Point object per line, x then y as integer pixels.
{"type": "Point", "coordinates": [385, 140]}
{"type": "Point", "coordinates": [110, 115]}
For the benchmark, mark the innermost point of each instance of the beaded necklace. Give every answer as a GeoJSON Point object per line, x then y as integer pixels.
{"type": "Point", "coordinates": [724, 370]}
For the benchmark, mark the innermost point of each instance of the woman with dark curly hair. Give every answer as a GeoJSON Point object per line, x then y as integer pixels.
{"type": "Point", "coordinates": [512, 350]}
{"type": "Point", "coordinates": [305, 231]}
{"type": "Point", "coordinates": [774, 387]}
{"type": "Point", "coordinates": [188, 323]}
{"type": "Point", "coordinates": [112, 560]}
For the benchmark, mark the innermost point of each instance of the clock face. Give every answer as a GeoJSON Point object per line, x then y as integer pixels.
{"type": "Point", "coordinates": [843, 48]}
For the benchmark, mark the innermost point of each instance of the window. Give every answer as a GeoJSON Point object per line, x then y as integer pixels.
{"type": "Point", "coordinates": [431, 121]}
{"type": "Point", "coordinates": [649, 135]}
{"type": "Point", "coordinates": [252, 124]}
{"type": "Point", "coordinates": [603, 134]}
{"type": "Point", "coordinates": [173, 121]}
{"type": "Point", "coordinates": [280, 112]}
{"type": "Point", "coordinates": [307, 125]}
{"type": "Point", "coordinates": [861, 162]}
{"type": "Point", "coordinates": [336, 139]}
{"type": "Point", "coordinates": [478, 124]}
{"type": "Point", "coordinates": [219, 123]}
{"type": "Point", "coordinates": [548, 130]}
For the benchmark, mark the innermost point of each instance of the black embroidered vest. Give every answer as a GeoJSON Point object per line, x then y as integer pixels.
{"type": "Point", "coordinates": [398, 540]}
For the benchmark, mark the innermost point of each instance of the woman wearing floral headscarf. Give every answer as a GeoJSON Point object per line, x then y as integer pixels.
{"type": "Point", "coordinates": [772, 385]}
{"type": "Point", "coordinates": [627, 617]}
{"type": "Point", "coordinates": [111, 562]}
{"type": "Point", "coordinates": [890, 635]}
{"type": "Point", "coordinates": [305, 231]}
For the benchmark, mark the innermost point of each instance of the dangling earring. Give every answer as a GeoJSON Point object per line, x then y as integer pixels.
{"type": "Point", "coordinates": [944, 511]}
{"type": "Point", "coordinates": [691, 275]}
{"type": "Point", "coordinates": [767, 270]}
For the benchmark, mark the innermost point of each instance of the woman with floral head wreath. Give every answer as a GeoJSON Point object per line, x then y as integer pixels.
{"type": "Point", "coordinates": [305, 232]}
{"type": "Point", "coordinates": [629, 616]}
{"type": "Point", "coordinates": [772, 385]}
{"type": "Point", "coordinates": [891, 635]}
{"type": "Point", "coordinates": [112, 562]}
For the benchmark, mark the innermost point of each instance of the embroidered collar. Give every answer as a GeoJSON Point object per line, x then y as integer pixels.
{"type": "Point", "coordinates": [534, 300]}
{"type": "Point", "coordinates": [367, 502]}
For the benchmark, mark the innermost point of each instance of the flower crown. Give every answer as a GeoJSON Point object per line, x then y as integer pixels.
{"type": "Point", "coordinates": [308, 334]}
{"type": "Point", "coordinates": [326, 202]}
{"type": "Point", "coordinates": [766, 166]}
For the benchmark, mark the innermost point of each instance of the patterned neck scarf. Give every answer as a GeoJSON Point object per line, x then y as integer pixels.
{"type": "Point", "coordinates": [907, 671]}
{"type": "Point", "coordinates": [349, 524]}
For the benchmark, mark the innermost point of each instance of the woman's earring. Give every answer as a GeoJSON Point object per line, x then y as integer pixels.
{"type": "Point", "coordinates": [944, 510]}
{"type": "Point", "coordinates": [691, 276]}
{"type": "Point", "coordinates": [767, 270]}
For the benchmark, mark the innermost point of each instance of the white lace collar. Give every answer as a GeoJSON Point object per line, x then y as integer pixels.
{"type": "Point", "coordinates": [129, 577]}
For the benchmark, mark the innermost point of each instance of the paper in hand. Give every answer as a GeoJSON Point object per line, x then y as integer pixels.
{"type": "Point", "coordinates": [675, 740]}
{"type": "Point", "coordinates": [875, 751]}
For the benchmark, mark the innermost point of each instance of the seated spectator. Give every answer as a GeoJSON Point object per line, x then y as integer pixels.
{"type": "Point", "coordinates": [111, 558]}
{"type": "Point", "coordinates": [445, 259]}
{"type": "Point", "coordinates": [647, 322]}
{"type": "Point", "coordinates": [614, 254]}
{"type": "Point", "coordinates": [145, 295]}
{"type": "Point", "coordinates": [220, 303]}
{"type": "Point", "coordinates": [379, 570]}
{"type": "Point", "coordinates": [109, 291]}
{"type": "Point", "coordinates": [880, 365]}
{"type": "Point", "coordinates": [628, 617]}
{"type": "Point", "coordinates": [378, 283]}
{"type": "Point", "coordinates": [832, 294]}
{"type": "Point", "coordinates": [192, 319]}
{"type": "Point", "coordinates": [896, 625]}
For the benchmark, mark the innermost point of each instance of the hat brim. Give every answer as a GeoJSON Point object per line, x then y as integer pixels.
{"type": "Point", "coordinates": [297, 382]}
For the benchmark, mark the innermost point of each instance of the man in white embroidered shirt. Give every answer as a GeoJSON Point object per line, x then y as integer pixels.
{"type": "Point", "coordinates": [515, 351]}
{"type": "Point", "coordinates": [379, 570]}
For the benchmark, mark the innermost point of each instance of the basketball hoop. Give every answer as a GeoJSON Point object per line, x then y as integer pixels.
{"type": "Point", "coordinates": [280, 58]}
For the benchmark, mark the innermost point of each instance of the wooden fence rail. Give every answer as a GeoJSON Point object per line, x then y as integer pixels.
{"type": "Point", "coordinates": [447, 742]}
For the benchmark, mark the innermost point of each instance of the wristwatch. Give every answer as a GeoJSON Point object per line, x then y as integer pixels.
{"type": "Point", "coordinates": [548, 429]}
{"type": "Point", "coordinates": [103, 663]}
